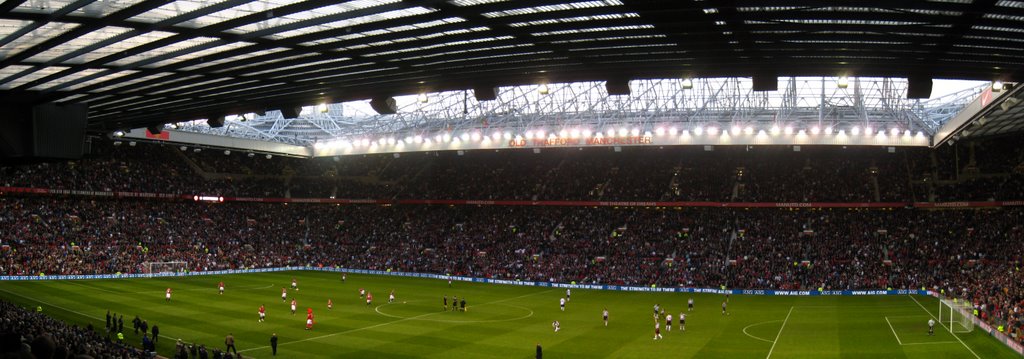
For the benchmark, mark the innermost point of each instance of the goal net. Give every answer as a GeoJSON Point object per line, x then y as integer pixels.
{"type": "Point", "coordinates": [956, 315]}
{"type": "Point", "coordinates": [164, 267]}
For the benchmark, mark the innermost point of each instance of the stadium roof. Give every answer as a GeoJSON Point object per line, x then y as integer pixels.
{"type": "Point", "coordinates": [144, 62]}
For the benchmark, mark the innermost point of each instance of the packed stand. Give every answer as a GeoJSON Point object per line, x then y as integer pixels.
{"type": "Point", "coordinates": [727, 174]}
{"type": "Point", "coordinates": [31, 334]}
{"type": "Point", "coordinates": [974, 254]}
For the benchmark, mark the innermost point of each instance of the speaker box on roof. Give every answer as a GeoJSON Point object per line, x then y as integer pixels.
{"type": "Point", "coordinates": [215, 121]}
{"type": "Point", "coordinates": [617, 87]}
{"type": "Point", "coordinates": [384, 105]}
{"type": "Point", "coordinates": [766, 83]}
{"type": "Point", "coordinates": [291, 111]}
{"type": "Point", "coordinates": [919, 87]}
{"type": "Point", "coordinates": [485, 93]}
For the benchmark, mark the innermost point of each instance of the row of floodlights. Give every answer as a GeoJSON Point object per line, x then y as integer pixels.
{"type": "Point", "coordinates": [622, 132]}
{"type": "Point", "coordinates": [687, 83]}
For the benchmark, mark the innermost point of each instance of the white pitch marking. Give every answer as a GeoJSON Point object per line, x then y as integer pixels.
{"type": "Point", "coordinates": [756, 324]}
{"type": "Point", "coordinates": [780, 333]}
{"type": "Point", "coordinates": [944, 326]}
{"type": "Point", "coordinates": [893, 331]}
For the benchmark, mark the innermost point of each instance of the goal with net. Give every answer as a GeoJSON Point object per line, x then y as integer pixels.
{"type": "Point", "coordinates": [956, 315]}
{"type": "Point", "coordinates": [164, 267]}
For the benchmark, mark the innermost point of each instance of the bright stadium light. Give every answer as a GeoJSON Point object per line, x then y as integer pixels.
{"type": "Point", "coordinates": [586, 132]}
{"type": "Point", "coordinates": [475, 136]}
{"type": "Point", "coordinates": [735, 130]}
{"type": "Point", "coordinates": [788, 131]}
{"type": "Point", "coordinates": [543, 89]}
{"type": "Point", "coordinates": [634, 132]}
{"type": "Point", "coordinates": [868, 131]}
{"type": "Point", "coordinates": [575, 133]}
{"type": "Point", "coordinates": [997, 86]}
{"type": "Point", "coordinates": [507, 135]}
{"type": "Point", "coordinates": [417, 139]}
{"type": "Point", "coordinates": [843, 82]}
{"type": "Point", "coordinates": [828, 130]}
{"type": "Point", "coordinates": [464, 137]}
{"type": "Point", "coordinates": [698, 130]}
{"type": "Point", "coordinates": [712, 130]}
{"type": "Point", "coordinates": [623, 132]}
{"type": "Point", "coordinates": [775, 130]}
{"type": "Point", "coordinates": [423, 97]}
{"type": "Point", "coordinates": [660, 131]}
{"type": "Point", "coordinates": [748, 131]}
{"type": "Point", "coordinates": [855, 130]}
{"type": "Point", "coordinates": [894, 131]}
{"type": "Point", "coordinates": [672, 131]}
{"type": "Point", "coordinates": [529, 134]}
{"type": "Point", "coordinates": [563, 133]}
{"type": "Point", "coordinates": [815, 130]}
{"type": "Point", "coordinates": [687, 83]}
{"type": "Point", "coordinates": [446, 137]}
{"type": "Point", "coordinates": [322, 108]}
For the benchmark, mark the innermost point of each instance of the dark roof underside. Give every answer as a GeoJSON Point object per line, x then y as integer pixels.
{"type": "Point", "coordinates": [143, 62]}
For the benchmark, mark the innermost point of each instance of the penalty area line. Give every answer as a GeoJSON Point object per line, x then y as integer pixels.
{"type": "Point", "coordinates": [893, 331]}
{"type": "Point", "coordinates": [944, 326]}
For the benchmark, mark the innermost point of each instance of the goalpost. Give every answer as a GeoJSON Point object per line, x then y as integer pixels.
{"type": "Point", "coordinates": [165, 267]}
{"type": "Point", "coordinates": [956, 315]}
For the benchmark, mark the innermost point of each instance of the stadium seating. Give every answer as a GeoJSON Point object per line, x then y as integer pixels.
{"type": "Point", "coordinates": [969, 253]}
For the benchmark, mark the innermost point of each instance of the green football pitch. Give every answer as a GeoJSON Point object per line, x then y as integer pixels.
{"type": "Point", "coordinates": [502, 321]}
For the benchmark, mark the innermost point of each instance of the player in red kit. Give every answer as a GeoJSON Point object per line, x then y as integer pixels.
{"type": "Point", "coordinates": [263, 313]}
{"type": "Point", "coordinates": [221, 287]}
{"type": "Point", "coordinates": [309, 318]}
{"type": "Point", "coordinates": [167, 298]}
{"type": "Point", "coordinates": [330, 304]}
{"type": "Point", "coordinates": [369, 298]}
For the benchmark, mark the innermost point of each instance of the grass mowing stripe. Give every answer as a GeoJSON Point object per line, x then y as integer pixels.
{"type": "Point", "coordinates": [780, 333]}
{"type": "Point", "coordinates": [386, 323]}
{"type": "Point", "coordinates": [944, 326]}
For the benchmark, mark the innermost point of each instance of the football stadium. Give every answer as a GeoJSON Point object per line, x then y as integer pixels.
{"type": "Point", "coordinates": [197, 179]}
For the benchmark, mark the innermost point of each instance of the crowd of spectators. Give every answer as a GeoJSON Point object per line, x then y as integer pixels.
{"type": "Point", "coordinates": [973, 254]}
{"type": "Point", "coordinates": [26, 333]}
{"type": "Point", "coordinates": [986, 171]}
